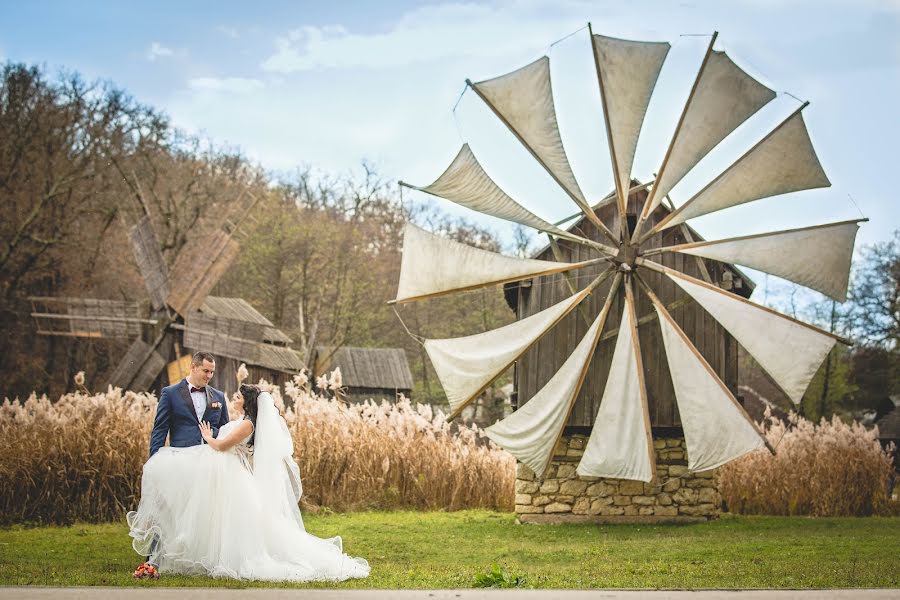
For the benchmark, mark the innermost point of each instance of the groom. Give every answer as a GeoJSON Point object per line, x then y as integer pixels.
{"type": "Point", "coordinates": [184, 405]}
{"type": "Point", "coordinates": [180, 410]}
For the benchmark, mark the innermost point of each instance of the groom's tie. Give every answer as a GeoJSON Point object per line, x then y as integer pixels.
{"type": "Point", "coordinates": [195, 389]}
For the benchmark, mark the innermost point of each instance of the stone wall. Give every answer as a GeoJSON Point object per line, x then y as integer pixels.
{"type": "Point", "coordinates": [563, 496]}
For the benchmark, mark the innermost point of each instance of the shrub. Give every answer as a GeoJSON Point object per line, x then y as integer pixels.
{"type": "Point", "coordinates": [80, 458]}
{"type": "Point", "coordinates": [829, 469]}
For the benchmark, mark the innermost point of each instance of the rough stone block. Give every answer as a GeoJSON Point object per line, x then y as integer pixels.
{"type": "Point", "coordinates": [685, 496]}
{"type": "Point", "coordinates": [645, 510]}
{"type": "Point", "coordinates": [527, 487]}
{"type": "Point", "coordinates": [541, 500]}
{"type": "Point", "coordinates": [677, 470]}
{"type": "Point", "coordinates": [708, 496]}
{"type": "Point", "coordinates": [577, 443]}
{"type": "Point", "coordinates": [666, 511]}
{"type": "Point", "coordinates": [673, 443]}
{"type": "Point", "coordinates": [598, 504]}
{"type": "Point", "coordinates": [621, 500]}
{"type": "Point", "coordinates": [565, 471]}
{"type": "Point", "coordinates": [582, 506]}
{"type": "Point", "coordinates": [611, 511]}
{"type": "Point", "coordinates": [659, 444]}
{"type": "Point", "coordinates": [558, 507]}
{"type": "Point", "coordinates": [523, 499]}
{"type": "Point", "coordinates": [527, 509]}
{"type": "Point", "coordinates": [631, 488]}
{"type": "Point", "coordinates": [564, 498]}
{"type": "Point", "coordinates": [524, 472]}
{"type": "Point", "coordinates": [630, 510]}
{"type": "Point", "coordinates": [664, 499]}
{"type": "Point", "coordinates": [574, 452]}
{"type": "Point", "coordinates": [601, 488]}
{"type": "Point", "coordinates": [549, 486]}
{"type": "Point", "coordinates": [643, 500]}
{"type": "Point", "coordinates": [672, 485]}
{"type": "Point", "coordinates": [573, 487]}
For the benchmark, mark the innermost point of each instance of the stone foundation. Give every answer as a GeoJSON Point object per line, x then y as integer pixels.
{"type": "Point", "coordinates": [562, 496]}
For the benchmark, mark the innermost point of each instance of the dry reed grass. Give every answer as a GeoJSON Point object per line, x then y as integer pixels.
{"type": "Point", "coordinates": [80, 458]}
{"type": "Point", "coordinates": [829, 469]}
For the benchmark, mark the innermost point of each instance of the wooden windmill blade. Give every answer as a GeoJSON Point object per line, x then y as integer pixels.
{"type": "Point", "coordinates": [138, 367]}
{"type": "Point", "coordinates": [150, 261]}
{"type": "Point", "coordinates": [198, 268]}
{"type": "Point", "coordinates": [88, 317]}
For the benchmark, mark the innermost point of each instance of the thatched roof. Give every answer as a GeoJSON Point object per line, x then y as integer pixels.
{"type": "Point", "coordinates": [379, 368]}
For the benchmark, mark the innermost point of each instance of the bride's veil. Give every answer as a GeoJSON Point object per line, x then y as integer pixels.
{"type": "Point", "coordinates": [274, 469]}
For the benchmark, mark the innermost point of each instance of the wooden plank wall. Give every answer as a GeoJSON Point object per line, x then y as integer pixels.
{"type": "Point", "coordinates": [539, 364]}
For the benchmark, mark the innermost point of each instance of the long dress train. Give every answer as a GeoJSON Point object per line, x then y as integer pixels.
{"type": "Point", "coordinates": [202, 512]}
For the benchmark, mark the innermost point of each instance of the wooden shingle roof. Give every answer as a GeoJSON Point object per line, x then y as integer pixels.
{"type": "Point", "coordinates": [382, 368]}
{"type": "Point", "coordinates": [241, 310]}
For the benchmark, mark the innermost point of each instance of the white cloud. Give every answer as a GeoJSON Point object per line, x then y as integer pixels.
{"type": "Point", "coordinates": [422, 35]}
{"type": "Point", "coordinates": [157, 50]}
{"type": "Point", "coordinates": [237, 85]}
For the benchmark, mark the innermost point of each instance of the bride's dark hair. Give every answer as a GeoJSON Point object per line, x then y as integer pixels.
{"type": "Point", "coordinates": [250, 394]}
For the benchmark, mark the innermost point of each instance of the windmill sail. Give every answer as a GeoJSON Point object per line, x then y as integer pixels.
{"type": "Point", "coordinates": [788, 350]}
{"type": "Point", "coordinates": [530, 433]}
{"type": "Point", "coordinates": [523, 99]}
{"type": "Point", "coordinates": [466, 365]}
{"type": "Point", "coordinates": [784, 161]}
{"type": "Point", "coordinates": [716, 428]}
{"type": "Point", "coordinates": [433, 266]}
{"type": "Point", "coordinates": [816, 257]}
{"type": "Point", "coordinates": [627, 72]}
{"type": "Point", "coordinates": [466, 183]}
{"type": "Point", "coordinates": [620, 445]}
{"type": "Point", "coordinates": [724, 96]}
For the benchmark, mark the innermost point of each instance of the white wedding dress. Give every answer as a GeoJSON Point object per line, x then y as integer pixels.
{"type": "Point", "coordinates": [234, 513]}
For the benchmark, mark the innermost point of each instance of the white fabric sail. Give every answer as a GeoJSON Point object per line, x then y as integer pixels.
{"type": "Point", "coordinates": [531, 432]}
{"type": "Point", "coordinates": [524, 100]}
{"type": "Point", "coordinates": [628, 71]}
{"type": "Point", "coordinates": [724, 96]}
{"type": "Point", "coordinates": [619, 445]}
{"type": "Point", "coordinates": [465, 365]}
{"type": "Point", "coordinates": [784, 161]}
{"type": "Point", "coordinates": [816, 257]}
{"type": "Point", "coordinates": [433, 265]}
{"type": "Point", "coordinates": [466, 183]}
{"type": "Point", "coordinates": [790, 351]}
{"type": "Point", "coordinates": [716, 430]}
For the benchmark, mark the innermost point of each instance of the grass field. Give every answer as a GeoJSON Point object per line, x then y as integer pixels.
{"type": "Point", "coordinates": [448, 550]}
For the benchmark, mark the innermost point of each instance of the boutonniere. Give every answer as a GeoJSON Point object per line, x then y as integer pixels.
{"type": "Point", "coordinates": [216, 405]}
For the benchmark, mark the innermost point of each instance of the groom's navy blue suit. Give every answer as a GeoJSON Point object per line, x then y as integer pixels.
{"type": "Point", "coordinates": [176, 417]}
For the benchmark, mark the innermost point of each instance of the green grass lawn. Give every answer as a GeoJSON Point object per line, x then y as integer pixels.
{"type": "Point", "coordinates": [447, 550]}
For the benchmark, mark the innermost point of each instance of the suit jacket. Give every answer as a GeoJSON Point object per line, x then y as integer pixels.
{"type": "Point", "coordinates": [176, 417]}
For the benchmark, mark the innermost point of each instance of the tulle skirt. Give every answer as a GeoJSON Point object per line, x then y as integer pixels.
{"type": "Point", "coordinates": [200, 514]}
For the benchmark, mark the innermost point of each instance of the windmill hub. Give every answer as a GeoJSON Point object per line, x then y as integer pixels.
{"type": "Point", "coordinates": [627, 257]}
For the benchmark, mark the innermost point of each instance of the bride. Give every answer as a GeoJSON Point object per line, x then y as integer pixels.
{"type": "Point", "coordinates": [228, 508]}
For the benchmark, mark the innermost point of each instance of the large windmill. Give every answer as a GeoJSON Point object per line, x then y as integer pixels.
{"type": "Point", "coordinates": [633, 262]}
{"type": "Point", "coordinates": [180, 316]}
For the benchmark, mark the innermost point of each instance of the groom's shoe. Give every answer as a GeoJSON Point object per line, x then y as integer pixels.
{"type": "Point", "coordinates": [146, 571]}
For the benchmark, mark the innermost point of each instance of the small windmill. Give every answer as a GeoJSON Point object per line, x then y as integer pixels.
{"type": "Point", "coordinates": [631, 254]}
{"type": "Point", "coordinates": [180, 313]}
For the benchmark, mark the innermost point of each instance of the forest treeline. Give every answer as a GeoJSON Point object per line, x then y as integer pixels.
{"type": "Point", "coordinates": [80, 162]}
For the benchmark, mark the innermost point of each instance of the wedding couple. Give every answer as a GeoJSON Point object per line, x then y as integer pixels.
{"type": "Point", "coordinates": [222, 498]}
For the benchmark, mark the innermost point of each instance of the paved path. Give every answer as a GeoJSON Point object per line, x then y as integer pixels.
{"type": "Point", "coordinates": [98, 593]}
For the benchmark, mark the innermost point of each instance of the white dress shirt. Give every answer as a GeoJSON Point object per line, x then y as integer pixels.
{"type": "Point", "coordinates": [199, 399]}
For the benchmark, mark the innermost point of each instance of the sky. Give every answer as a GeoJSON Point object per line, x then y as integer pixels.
{"type": "Point", "coordinates": [331, 84]}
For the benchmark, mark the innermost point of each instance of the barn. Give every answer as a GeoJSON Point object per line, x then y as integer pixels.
{"type": "Point", "coordinates": [560, 496]}
{"type": "Point", "coordinates": [367, 373]}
